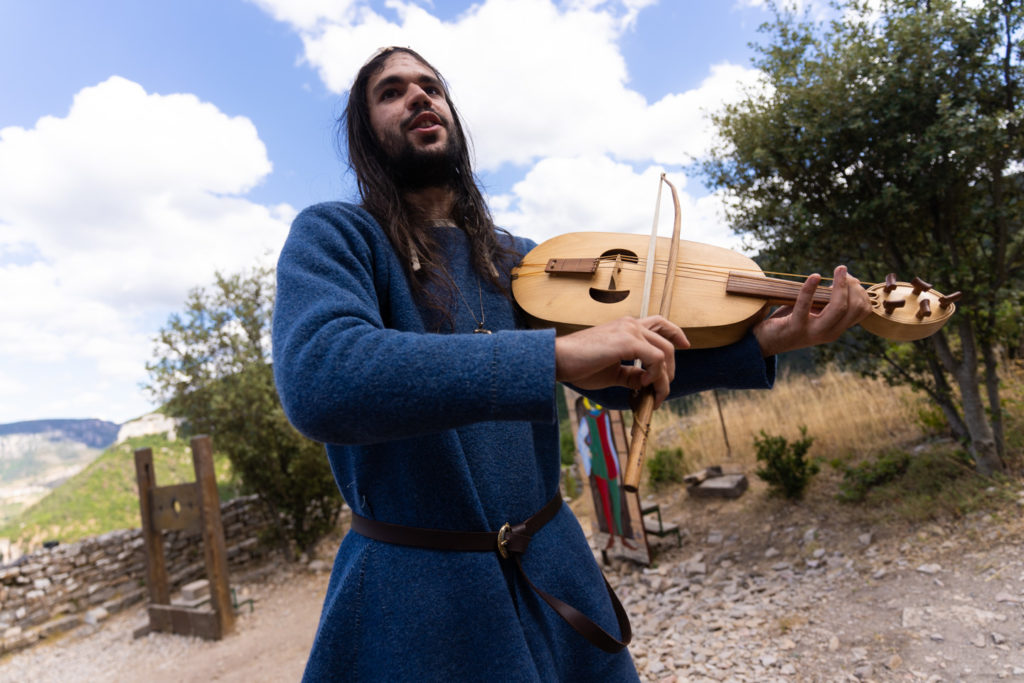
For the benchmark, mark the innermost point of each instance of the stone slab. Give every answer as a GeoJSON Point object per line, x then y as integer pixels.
{"type": "Point", "coordinates": [725, 486]}
{"type": "Point", "coordinates": [195, 590]}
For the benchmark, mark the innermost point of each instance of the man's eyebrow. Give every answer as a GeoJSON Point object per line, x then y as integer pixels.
{"type": "Point", "coordinates": [423, 79]}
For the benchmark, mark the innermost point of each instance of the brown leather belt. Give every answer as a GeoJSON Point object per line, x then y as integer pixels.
{"type": "Point", "coordinates": [509, 541]}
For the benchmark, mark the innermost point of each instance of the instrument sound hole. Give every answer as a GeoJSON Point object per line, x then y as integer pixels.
{"type": "Point", "coordinates": [627, 255]}
{"type": "Point", "coordinates": [608, 296]}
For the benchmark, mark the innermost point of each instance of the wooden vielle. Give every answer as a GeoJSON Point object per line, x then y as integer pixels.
{"type": "Point", "coordinates": [194, 507]}
{"type": "Point", "coordinates": [578, 280]}
{"type": "Point", "coordinates": [720, 294]}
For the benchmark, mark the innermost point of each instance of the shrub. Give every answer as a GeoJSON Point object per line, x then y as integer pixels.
{"type": "Point", "coordinates": [666, 466]}
{"type": "Point", "coordinates": [926, 485]}
{"type": "Point", "coordinates": [860, 479]}
{"type": "Point", "coordinates": [567, 443]}
{"type": "Point", "coordinates": [932, 420]}
{"type": "Point", "coordinates": [786, 471]}
{"type": "Point", "coordinates": [570, 482]}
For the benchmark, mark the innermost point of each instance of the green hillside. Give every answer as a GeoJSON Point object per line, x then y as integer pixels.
{"type": "Point", "coordinates": [104, 496]}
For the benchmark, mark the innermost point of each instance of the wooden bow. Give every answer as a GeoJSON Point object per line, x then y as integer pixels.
{"type": "Point", "coordinates": [643, 407]}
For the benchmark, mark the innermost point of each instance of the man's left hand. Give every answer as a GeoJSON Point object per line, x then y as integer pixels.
{"type": "Point", "coordinates": [798, 326]}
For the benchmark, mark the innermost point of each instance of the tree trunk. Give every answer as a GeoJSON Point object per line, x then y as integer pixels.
{"type": "Point", "coordinates": [943, 396]}
{"type": "Point", "coordinates": [992, 388]}
{"type": "Point", "coordinates": [982, 443]}
{"type": "Point", "coordinates": [940, 392]}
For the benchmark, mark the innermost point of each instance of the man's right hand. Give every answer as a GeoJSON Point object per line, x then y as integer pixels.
{"type": "Point", "coordinates": [592, 358]}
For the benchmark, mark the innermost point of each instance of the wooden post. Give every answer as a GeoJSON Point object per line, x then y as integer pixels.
{"type": "Point", "coordinates": [721, 419]}
{"type": "Point", "coordinates": [192, 508]}
{"type": "Point", "coordinates": [214, 547]}
{"type": "Point", "coordinates": [156, 568]}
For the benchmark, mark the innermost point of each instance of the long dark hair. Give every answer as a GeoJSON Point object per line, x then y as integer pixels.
{"type": "Point", "coordinates": [382, 197]}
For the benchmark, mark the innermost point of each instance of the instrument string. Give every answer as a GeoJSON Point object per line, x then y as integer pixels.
{"type": "Point", "coordinates": [705, 272]}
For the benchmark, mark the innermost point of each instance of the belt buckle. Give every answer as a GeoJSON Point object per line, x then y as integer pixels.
{"type": "Point", "coordinates": [503, 540]}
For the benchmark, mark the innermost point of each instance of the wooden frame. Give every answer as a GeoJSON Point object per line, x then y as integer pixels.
{"type": "Point", "coordinates": [193, 507]}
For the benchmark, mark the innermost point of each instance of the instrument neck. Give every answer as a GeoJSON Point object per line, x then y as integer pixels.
{"type": "Point", "coordinates": [774, 291]}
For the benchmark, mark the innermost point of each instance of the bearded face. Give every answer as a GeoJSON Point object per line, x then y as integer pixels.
{"type": "Point", "coordinates": [415, 167]}
{"type": "Point", "coordinates": [411, 117]}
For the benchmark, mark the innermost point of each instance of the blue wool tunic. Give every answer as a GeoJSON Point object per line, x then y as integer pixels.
{"type": "Point", "coordinates": [446, 431]}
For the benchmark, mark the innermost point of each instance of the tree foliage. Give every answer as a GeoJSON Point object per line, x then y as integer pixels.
{"type": "Point", "coordinates": [213, 368]}
{"type": "Point", "coordinates": [891, 140]}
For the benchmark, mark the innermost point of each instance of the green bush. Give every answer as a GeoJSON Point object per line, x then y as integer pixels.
{"type": "Point", "coordinates": [860, 479]}
{"type": "Point", "coordinates": [786, 469]}
{"type": "Point", "coordinates": [927, 485]}
{"type": "Point", "coordinates": [570, 484]}
{"type": "Point", "coordinates": [666, 466]}
{"type": "Point", "coordinates": [567, 443]}
{"type": "Point", "coordinates": [932, 419]}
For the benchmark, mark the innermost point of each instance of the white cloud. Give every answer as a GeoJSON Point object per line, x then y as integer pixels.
{"type": "Point", "coordinates": [130, 182]}
{"type": "Point", "coordinates": [532, 79]}
{"type": "Point", "coordinates": [544, 86]}
{"type": "Point", "coordinates": [108, 216]}
{"type": "Point", "coordinates": [9, 385]}
{"type": "Point", "coordinates": [307, 14]}
{"type": "Point", "coordinates": [595, 193]}
{"type": "Point", "coordinates": [816, 8]}
{"type": "Point", "coordinates": [677, 129]}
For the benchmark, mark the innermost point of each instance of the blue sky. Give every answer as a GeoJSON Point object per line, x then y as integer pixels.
{"type": "Point", "coordinates": [144, 145]}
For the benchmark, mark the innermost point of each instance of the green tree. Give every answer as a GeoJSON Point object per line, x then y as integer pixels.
{"type": "Point", "coordinates": [213, 369]}
{"type": "Point", "coordinates": [891, 139]}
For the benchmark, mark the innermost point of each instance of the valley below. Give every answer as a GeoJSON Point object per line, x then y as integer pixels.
{"type": "Point", "coordinates": [32, 465]}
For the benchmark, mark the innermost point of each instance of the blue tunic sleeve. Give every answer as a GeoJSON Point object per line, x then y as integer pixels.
{"type": "Point", "coordinates": [344, 371]}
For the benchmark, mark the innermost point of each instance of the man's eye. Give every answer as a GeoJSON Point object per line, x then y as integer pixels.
{"type": "Point", "coordinates": [433, 90]}
{"type": "Point", "coordinates": [389, 94]}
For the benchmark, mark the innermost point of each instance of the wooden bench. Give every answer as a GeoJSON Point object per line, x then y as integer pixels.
{"type": "Point", "coordinates": [658, 527]}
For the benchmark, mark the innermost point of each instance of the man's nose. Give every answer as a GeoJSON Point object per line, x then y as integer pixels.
{"type": "Point", "coordinates": [417, 97]}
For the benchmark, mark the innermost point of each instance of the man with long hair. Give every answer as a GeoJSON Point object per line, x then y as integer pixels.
{"type": "Point", "coordinates": [397, 344]}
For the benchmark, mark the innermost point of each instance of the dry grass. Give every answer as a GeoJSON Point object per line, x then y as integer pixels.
{"type": "Point", "coordinates": [1012, 400]}
{"type": "Point", "coordinates": [848, 416]}
{"type": "Point", "coordinates": [860, 422]}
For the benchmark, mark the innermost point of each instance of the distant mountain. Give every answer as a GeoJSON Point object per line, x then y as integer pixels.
{"type": "Point", "coordinates": [91, 433]}
{"type": "Point", "coordinates": [37, 455]}
{"type": "Point", "coordinates": [103, 495]}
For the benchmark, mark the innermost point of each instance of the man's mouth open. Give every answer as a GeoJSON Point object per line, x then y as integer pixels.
{"type": "Point", "coordinates": [425, 121]}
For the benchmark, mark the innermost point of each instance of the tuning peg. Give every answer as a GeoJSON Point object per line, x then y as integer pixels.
{"type": "Point", "coordinates": [920, 286]}
{"type": "Point", "coordinates": [890, 283]}
{"type": "Point", "coordinates": [924, 310]}
{"type": "Point", "coordinates": [891, 305]}
{"type": "Point", "coordinates": [945, 301]}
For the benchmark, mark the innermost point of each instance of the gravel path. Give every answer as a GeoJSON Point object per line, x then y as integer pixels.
{"type": "Point", "coordinates": [270, 643]}
{"type": "Point", "coordinates": [938, 605]}
{"type": "Point", "coordinates": [758, 591]}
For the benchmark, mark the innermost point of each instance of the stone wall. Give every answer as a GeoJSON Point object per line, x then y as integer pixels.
{"type": "Point", "coordinates": [60, 588]}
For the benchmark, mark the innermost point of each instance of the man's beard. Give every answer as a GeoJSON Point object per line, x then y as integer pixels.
{"type": "Point", "coordinates": [415, 169]}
